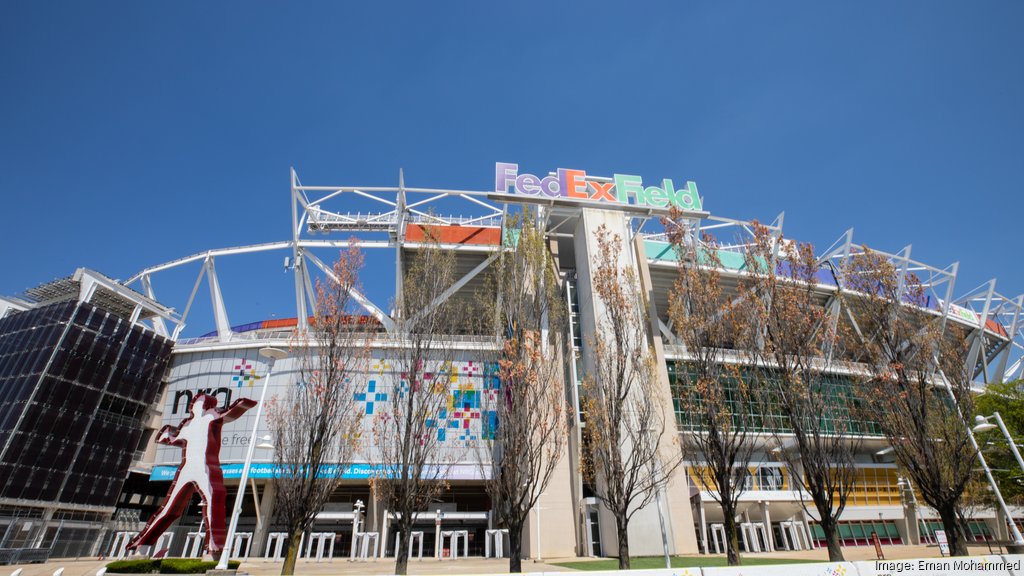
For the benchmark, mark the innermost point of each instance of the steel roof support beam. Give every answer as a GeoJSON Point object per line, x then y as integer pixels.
{"type": "Point", "coordinates": [358, 296]}
{"type": "Point", "coordinates": [948, 300]}
{"type": "Point", "coordinates": [301, 313]}
{"type": "Point", "coordinates": [372, 197]}
{"type": "Point", "coordinates": [666, 332]}
{"type": "Point", "coordinates": [89, 281]}
{"type": "Point", "coordinates": [1000, 371]}
{"type": "Point", "coordinates": [310, 293]}
{"type": "Point", "coordinates": [158, 323]}
{"type": "Point", "coordinates": [9, 304]}
{"type": "Point", "coordinates": [203, 255]}
{"type": "Point", "coordinates": [1012, 372]}
{"type": "Point", "coordinates": [455, 287]}
{"type": "Point", "coordinates": [188, 305]}
{"type": "Point", "coordinates": [220, 313]}
{"type": "Point", "coordinates": [835, 302]}
{"type": "Point", "coordinates": [976, 355]}
{"type": "Point", "coordinates": [399, 245]}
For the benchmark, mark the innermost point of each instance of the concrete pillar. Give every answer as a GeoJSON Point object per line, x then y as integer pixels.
{"type": "Point", "coordinates": [911, 520]}
{"type": "Point", "coordinates": [1002, 528]}
{"type": "Point", "coordinates": [807, 526]}
{"type": "Point", "coordinates": [767, 519]}
{"type": "Point", "coordinates": [703, 525]}
{"type": "Point", "coordinates": [437, 534]}
{"type": "Point", "coordinates": [644, 528]}
{"type": "Point", "coordinates": [384, 524]}
{"type": "Point", "coordinates": [37, 539]}
{"type": "Point", "coordinates": [679, 523]}
{"type": "Point", "coordinates": [94, 550]}
{"type": "Point", "coordinates": [557, 517]}
{"type": "Point", "coordinates": [373, 511]}
{"type": "Point", "coordinates": [259, 537]}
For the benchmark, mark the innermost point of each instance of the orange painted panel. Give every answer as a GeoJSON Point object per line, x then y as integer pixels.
{"type": "Point", "coordinates": [995, 327]}
{"type": "Point", "coordinates": [280, 323]}
{"type": "Point", "coordinates": [454, 234]}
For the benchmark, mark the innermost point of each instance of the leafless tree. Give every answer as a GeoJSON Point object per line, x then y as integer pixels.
{"type": "Point", "coordinates": [622, 403]}
{"type": "Point", "coordinates": [410, 460]}
{"type": "Point", "coordinates": [920, 383]}
{"type": "Point", "coordinates": [524, 444]}
{"type": "Point", "coordinates": [718, 399]}
{"type": "Point", "coordinates": [814, 425]}
{"type": "Point", "coordinates": [314, 425]}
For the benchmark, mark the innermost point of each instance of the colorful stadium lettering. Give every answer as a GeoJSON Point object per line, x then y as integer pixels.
{"type": "Point", "coordinates": [964, 314]}
{"type": "Point", "coordinates": [573, 185]}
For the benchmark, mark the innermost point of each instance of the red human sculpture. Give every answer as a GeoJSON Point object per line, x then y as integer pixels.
{"type": "Point", "coordinates": [199, 438]}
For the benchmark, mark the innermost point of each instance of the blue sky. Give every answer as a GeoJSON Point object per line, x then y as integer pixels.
{"type": "Point", "coordinates": [133, 133]}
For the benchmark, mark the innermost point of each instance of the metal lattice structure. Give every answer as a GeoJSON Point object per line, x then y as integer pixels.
{"type": "Point", "coordinates": [381, 218]}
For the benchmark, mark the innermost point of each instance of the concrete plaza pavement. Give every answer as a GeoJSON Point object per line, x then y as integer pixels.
{"type": "Point", "coordinates": [476, 565]}
{"type": "Point", "coordinates": [260, 567]}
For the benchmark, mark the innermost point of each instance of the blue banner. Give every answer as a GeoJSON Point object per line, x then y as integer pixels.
{"type": "Point", "coordinates": [265, 470]}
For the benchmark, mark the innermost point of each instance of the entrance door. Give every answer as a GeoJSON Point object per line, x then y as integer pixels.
{"type": "Point", "coordinates": [593, 532]}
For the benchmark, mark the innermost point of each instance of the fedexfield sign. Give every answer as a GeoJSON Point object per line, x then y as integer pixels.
{"type": "Point", "coordinates": [573, 185]}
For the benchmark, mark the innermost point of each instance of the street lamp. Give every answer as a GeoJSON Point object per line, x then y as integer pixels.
{"type": "Point", "coordinates": [1017, 538]}
{"type": "Point", "coordinates": [537, 509]}
{"type": "Point", "coordinates": [273, 355]}
{"type": "Point", "coordinates": [265, 443]}
{"type": "Point", "coordinates": [983, 424]}
{"type": "Point", "coordinates": [664, 537]}
{"type": "Point", "coordinates": [655, 469]}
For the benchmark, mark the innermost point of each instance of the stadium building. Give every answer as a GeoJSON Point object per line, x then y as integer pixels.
{"type": "Point", "coordinates": [391, 225]}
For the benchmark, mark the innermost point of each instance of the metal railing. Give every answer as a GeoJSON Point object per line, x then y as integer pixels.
{"type": "Point", "coordinates": [24, 555]}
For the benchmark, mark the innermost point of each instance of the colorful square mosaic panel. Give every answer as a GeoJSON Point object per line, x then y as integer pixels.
{"type": "Point", "coordinates": [244, 373]}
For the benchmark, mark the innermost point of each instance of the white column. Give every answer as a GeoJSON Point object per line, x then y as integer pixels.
{"type": "Point", "coordinates": [437, 535]}
{"type": "Point", "coordinates": [767, 519]}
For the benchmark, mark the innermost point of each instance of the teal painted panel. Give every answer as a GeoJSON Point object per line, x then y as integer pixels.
{"type": "Point", "coordinates": [663, 251]}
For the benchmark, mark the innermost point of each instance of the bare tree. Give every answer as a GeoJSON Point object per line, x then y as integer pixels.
{"type": "Point", "coordinates": [814, 427]}
{"type": "Point", "coordinates": [977, 497]}
{"type": "Point", "coordinates": [621, 401]}
{"type": "Point", "coordinates": [315, 424]}
{"type": "Point", "coordinates": [716, 396]}
{"type": "Point", "coordinates": [524, 444]}
{"type": "Point", "coordinates": [920, 383]}
{"type": "Point", "coordinates": [410, 460]}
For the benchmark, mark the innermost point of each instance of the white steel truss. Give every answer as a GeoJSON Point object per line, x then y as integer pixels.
{"type": "Point", "coordinates": [379, 217]}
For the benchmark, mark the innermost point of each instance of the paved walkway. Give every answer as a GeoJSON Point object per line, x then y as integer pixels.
{"type": "Point", "coordinates": [468, 566]}
{"type": "Point", "coordinates": [854, 553]}
{"type": "Point", "coordinates": [337, 566]}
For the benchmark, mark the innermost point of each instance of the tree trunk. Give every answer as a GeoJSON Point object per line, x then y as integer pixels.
{"type": "Point", "coordinates": [402, 552]}
{"type": "Point", "coordinates": [515, 544]}
{"type": "Point", "coordinates": [622, 531]}
{"type": "Point", "coordinates": [732, 545]}
{"type": "Point", "coordinates": [831, 529]}
{"type": "Point", "coordinates": [292, 555]}
{"type": "Point", "coordinates": [954, 530]}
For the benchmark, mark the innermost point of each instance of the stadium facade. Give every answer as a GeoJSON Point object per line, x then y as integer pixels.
{"type": "Point", "coordinates": [392, 223]}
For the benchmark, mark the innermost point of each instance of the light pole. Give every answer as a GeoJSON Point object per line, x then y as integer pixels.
{"type": "Point", "coordinates": [664, 536]}
{"type": "Point", "coordinates": [537, 558]}
{"type": "Point", "coordinates": [357, 511]}
{"type": "Point", "coordinates": [982, 424]}
{"type": "Point", "coordinates": [655, 469]}
{"type": "Point", "coordinates": [538, 527]}
{"type": "Point", "coordinates": [1017, 538]}
{"type": "Point", "coordinates": [272, 354]}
